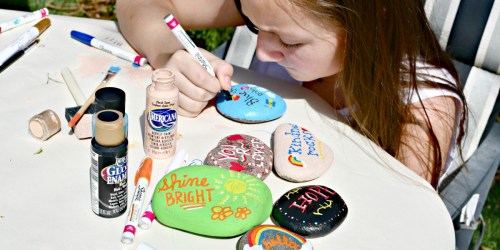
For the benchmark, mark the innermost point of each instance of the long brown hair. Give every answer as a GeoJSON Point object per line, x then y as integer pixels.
{"type": "Point", "coordinates": [384, 41]}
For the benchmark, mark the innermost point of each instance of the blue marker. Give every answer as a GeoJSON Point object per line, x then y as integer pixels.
{"type": "Point", "coordinates": [96, 43]}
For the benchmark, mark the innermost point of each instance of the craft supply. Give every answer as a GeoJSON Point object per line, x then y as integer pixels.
{"type": "Point", "coordinates": [162, 100]}
{"type": "Point", "coordinates": [17, 55]}
{"type": "Point", "coordinates": [310, 211]}
{"type": "Point", "coordinates": [83, 129]}
{"type": "Point", "coordinates": [37, 14]}
{"type": "Point", "coordinates": [211, 201]}
{"type": "Point", "coordinates": [179, 160]}
{"type": "Point", "coordinates": [24, 40]}
{"type": "Point", "coordinates": [113, 70]}
{"type": "Point", "coordinates": [110, 98]}
{"type": "Point", "coordinates": [108, 171]}
{"type": "Point", "coordinates": [73, 86]}
{"type": "Point", "coordinates": [249, 103]}
{"type": "Point", "coordinates": [96, 43]}
{"type": "Point", "coordinates": [272, 237]}
{"type": "Point", "coordinates": [299, 155]}
{"type": "Point", "coordinates": [44, 125]}
{"type": "Point", "coordinates": [242, 153]}
{"type": "Point", "coordinates": [142, 179]}
{"type": "Point", "coordinates": [188, 44]}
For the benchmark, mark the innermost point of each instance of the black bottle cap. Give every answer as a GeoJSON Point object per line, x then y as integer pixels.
{"type": "Point", "coordinates": [109, 98]}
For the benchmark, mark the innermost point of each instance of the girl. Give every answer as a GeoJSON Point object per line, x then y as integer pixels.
{"type": "Point", "coordinates": [376, 62]}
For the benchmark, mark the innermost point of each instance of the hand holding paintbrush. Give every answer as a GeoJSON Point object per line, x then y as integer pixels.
{"type": "Point", "coordinates": [109, 76]}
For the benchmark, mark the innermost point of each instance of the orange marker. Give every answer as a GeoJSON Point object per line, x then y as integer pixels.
{"type": "Point", "coordinates": [142, 178]}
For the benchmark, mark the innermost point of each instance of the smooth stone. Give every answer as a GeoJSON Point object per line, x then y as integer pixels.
{"type": "Point", "coordinates": [310, 211]}
{"type": "Point", "coordinates": [242, 153]}
{"type": "Point", "coordinates": [272, 237]}
{"type": "Point", "coordinates": [249, 103]}
{"type": "Point", "coordinates": [298, 155]}
{"type": "Point", "coordinates": [211, 201]}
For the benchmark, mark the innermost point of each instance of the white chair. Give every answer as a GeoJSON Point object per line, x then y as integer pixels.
{"type": "Point", "coordinates": [469, 30]}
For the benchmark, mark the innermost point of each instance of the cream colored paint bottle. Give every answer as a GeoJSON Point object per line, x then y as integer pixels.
{"type": "Point", "coordinates": [162, 98]}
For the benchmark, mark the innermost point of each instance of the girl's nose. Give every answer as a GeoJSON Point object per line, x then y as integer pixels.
{"type": "Point", "coordinates": [268, 47]}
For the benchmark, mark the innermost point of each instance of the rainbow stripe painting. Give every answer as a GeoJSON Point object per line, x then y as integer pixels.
{"type": "Point", "coordinates": [295, 161]}
{"type": "Point", "coordinates": [274, 237]}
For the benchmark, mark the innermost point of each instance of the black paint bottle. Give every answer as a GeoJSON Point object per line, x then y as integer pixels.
{"type": "Point", "coordinates": [108, 171]}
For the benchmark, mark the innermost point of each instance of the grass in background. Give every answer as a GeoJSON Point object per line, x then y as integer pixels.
{"type": "Point", "coordinates": [210, 39]}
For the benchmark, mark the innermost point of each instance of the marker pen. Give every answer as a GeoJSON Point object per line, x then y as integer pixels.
{"type": "Point", "coordinates": [96, 43]}
{"type": "Point", "coordinates": [24, 40]}
{"type": "Point", "coordinates": [37, 14]}
{"type": "Point", "coordinates": [142, 178]}
{"type": "Point", "coordinates": [179, 160]}
{"type": "Point", "coordinates": [186, 41]}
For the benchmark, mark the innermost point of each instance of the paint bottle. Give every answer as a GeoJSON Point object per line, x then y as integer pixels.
{"type": "Point", "coordinates": [108, 171]}
{"type": "Point", "coordinates": [162, 98]}
{"type": "Point", "coordinates": [110, 98]}
{"type": "Point", "coordinates": [44, 125]}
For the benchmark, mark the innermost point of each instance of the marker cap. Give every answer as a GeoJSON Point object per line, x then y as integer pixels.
{"type": "Point", "coordinates": [144, 170]}
{"type": "Point", "coordinates": [82, 37]}
{"type": "Point", "coordinates": [110, 98]}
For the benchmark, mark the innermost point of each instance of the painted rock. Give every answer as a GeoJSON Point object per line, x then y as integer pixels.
{"type": "Point", "coordinates": [212, 201]}
{"type": "Point", "coordinates": [298, 155]}
{"type": "Point", "coordinates": [249, 103]}
{"type": "Point", "coordinates": [310, 211]}
{"type": "Point", "coordinates": [272, 237]}
{"type": "Point", "coordinates": [242, 153]}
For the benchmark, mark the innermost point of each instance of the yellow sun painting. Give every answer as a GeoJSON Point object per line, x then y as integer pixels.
{"type": "Point", "coordinates": [236, 187]}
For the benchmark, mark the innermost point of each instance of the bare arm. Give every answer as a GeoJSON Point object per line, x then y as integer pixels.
{"type": "Point", "coordinates": [415, 151]}
{"type": "Point", "coordinates": [141, 22]}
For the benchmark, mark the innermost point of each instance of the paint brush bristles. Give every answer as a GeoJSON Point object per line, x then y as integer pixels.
{"type": "Point", "coordinates": [113, 70]}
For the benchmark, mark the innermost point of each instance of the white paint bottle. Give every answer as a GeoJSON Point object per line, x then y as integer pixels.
{"type": "Point", "coordinates": [160, 127]}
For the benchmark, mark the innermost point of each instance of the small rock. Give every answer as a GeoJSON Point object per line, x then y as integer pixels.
{"type": "Point", "coordinates": [211, 201]}
{"type": "Point", "coordinates": [272, 237]}
{"type": "Point", "coordinates": [298, 155]}
{"type": "Point", "coordinates": [242, 153]}
{"type": "Point", "coordinates": [249, 103]}
{"type": "Point", "coordinates": [310, 211]}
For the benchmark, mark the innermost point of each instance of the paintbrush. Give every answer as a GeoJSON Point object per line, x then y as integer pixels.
{"type": "Point", "coordinates": [113, 70]}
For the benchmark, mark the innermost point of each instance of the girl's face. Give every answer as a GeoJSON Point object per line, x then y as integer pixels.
{"type": "Point", "coordinates": [306, 48]}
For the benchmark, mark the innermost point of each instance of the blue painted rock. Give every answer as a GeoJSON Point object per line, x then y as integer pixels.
{"type": "Point", "coordinates": [272, 237]}
{"type": "Point", "coordinates": [249, 103]}
{"type": "Point", "coordinates": [298, 155]}
{"type": "Point", "coordinates": [310, 211]}
{"type": "Point", "coordinates": [212, 201]}
{"type": "Point", "coordinates": [242, 153]}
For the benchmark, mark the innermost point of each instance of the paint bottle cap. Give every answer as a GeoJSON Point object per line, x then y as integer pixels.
{"type": "Point", "coordinates": [163, 79]}
{"type": "Point", "coordinates": [44, 125]}
{"type": "Point", "coordinates": [109, 98]}
{"type": "Point", "coordinates": [109, 126]}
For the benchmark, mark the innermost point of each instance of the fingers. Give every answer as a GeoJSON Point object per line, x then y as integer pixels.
{"type": "Point", "coordinates": [196, 86]}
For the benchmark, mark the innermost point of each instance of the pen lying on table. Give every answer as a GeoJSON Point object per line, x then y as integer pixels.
{"type": "Point", "coordinates": [17, 55]}
{"type": "Point", "coordinates": [96, 43]}
{"type": "Point", "coordinates": [23, 41]}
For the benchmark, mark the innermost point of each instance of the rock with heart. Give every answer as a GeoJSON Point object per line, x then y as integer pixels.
{"type": "Point", "coordinates": [211, 201]}
{"type": "Point", "coordinates": [249, 103]}
{"type": "Point", "coordinates": [310, 211]}
{"type": "Point", "coordinates": [298, 155]}
{"type": "Point", "coordinates": [272, 237]}
{"type": "Point", "coordinates": [242, 153]}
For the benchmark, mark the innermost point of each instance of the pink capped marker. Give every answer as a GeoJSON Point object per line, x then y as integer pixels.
{"type": "Point", "coordinates": [179, 160]}
{"type": "Point", "coordinates": [142, 178]}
